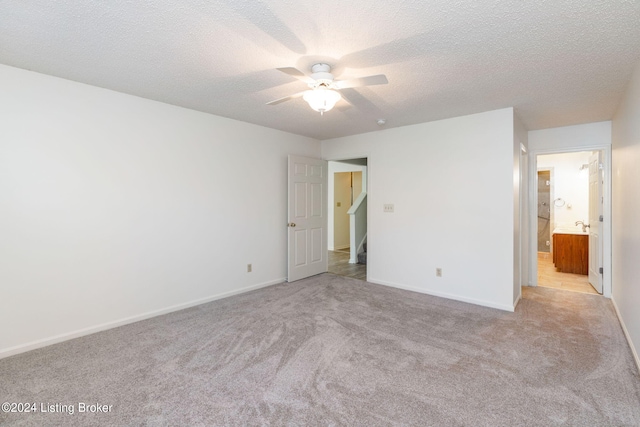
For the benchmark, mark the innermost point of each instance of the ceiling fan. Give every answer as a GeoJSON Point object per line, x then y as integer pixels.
{"type": "Point", "coordinates": [323, 90]}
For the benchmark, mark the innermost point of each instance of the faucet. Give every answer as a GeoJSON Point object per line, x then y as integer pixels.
{"type": "Point", "coordinates": [584, 226]}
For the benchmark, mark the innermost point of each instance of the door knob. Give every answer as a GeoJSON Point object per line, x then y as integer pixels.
{"type": "Point", "coordinates": [292, 224]}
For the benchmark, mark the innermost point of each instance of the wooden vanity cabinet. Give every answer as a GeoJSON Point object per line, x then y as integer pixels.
{"type": "Point", "coordinates": [571, 253]}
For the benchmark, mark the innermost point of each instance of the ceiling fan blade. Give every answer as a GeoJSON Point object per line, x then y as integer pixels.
{"type": "Point", "coordinates": [294, 72]}
{"type": "Point", "coordinates": [260, 14]}
{"type": "Point", "coordinates": [286, 98]}
{"type": "Point", "coordinates": [362, 104]}
{"type": "Point", "coordinates": [379, 79]}
{"type": "Point", "coordinates": [343, 104]}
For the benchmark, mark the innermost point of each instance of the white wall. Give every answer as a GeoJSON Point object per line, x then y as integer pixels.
{"type": "Point", "coordinates": [113, 207]}
{"type": "Point", "coordinates": [626, 212]}
{"type": "Point", "coordinates": [570, 137]}
{"type": "Point", "coordinates": [570, 184]}
{"type": "Point", "coordinates": [452, 185]}
{"type": "Point", "coordinates": [342, 195]}
{"type": "Point", "coordinates": [331, 202]}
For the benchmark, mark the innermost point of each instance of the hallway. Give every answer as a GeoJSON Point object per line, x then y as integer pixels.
{"type": "Point", "coordinates": [339, 264]}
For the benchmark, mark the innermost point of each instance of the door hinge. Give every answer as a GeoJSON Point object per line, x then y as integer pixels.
{"type": "Point", "coordinates": [601, 270]}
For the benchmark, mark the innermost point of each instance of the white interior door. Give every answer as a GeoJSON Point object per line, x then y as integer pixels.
{"type": "Point", "coordinates": [595, 213]}
{"type": "Point", "coordinates": [307, 227]}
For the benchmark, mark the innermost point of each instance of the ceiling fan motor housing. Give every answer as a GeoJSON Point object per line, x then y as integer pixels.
{"type": "Point", "coordinates": [321, 74]}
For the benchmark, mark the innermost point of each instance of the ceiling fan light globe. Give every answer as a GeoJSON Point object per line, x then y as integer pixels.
{"type": "Point", "coordinates": [321, 100]}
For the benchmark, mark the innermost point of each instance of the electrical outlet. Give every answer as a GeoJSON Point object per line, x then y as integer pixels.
{"type": "Point", "coordinates": [388, 207]}
{"type": "Point", "coordinates": [248, 268]}
{"type": "Point", "coordinates": [438, 272]}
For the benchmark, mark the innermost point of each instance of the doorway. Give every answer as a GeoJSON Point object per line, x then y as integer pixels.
{"type": "Point", "coordinates": [564, 207]}
{"type": "Point", "coordinates": [347, 186]}
{"type": "Point", "coordinates": [347, 245]}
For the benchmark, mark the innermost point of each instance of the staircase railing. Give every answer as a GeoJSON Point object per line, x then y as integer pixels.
{"type": "Point", "coordinates": [358, 226]}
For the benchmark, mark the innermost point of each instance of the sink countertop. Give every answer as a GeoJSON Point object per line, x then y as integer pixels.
{"type": "Point", "coordinates": [570, 230]}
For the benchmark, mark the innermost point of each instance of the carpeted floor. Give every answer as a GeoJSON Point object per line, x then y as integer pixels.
{"type": "Point", "coordinates": [330, 350]}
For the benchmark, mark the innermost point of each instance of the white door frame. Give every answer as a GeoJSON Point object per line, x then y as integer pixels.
{"type": "Point", "coordinates": [606, 224]}
{"type": "Point", "coordinates": [368, 157]}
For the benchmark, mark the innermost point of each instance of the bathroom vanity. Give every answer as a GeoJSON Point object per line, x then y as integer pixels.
{"type": "Point", "coordinates": [571, 251]}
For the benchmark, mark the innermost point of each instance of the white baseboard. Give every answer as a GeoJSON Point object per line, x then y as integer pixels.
{"type": "Point", "coordinates": [22, 348]}
{"type": "Point", "coordinates": [626, 334]}
{"type": "Point", "coordinates": [483, 303]}
{"type": "Point", "coordinates": [515, 303]}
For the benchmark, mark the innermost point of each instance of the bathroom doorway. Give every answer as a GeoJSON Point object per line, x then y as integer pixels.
{"type": "Point", "coordinates": [564, 208]}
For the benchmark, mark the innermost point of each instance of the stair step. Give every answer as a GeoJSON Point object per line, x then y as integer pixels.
{"type": "Point", "coordinates": [362, 258]}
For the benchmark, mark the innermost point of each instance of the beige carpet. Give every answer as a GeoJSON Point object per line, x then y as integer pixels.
{"type": "Point", "coordinates": [336, 351]}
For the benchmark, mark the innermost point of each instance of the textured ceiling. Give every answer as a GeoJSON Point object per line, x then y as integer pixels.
{"type": "Point", "coordinates": [558, 62]}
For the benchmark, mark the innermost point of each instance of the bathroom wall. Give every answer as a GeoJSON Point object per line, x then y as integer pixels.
{"type": "Point", "coordinates": [544, 211]}
{"type": "Point", "coordinates": [569, 187]}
